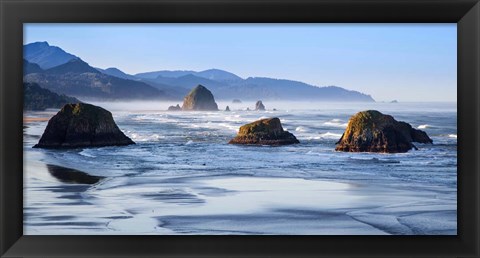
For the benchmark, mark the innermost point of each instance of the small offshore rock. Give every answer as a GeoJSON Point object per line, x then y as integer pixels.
{"type": "Point", "coordinates": [259, 106]}
{"type": "Point", "coordinates": [174, 108]}
{"type": "Point", "coordinates": [267, 131]}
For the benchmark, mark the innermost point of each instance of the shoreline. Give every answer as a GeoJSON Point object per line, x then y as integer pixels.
{"type": "Point", "coordinates": [217, 205]}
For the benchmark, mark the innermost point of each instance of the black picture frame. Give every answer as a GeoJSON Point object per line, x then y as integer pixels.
{"type": "Point", "coordinates": [13, 13]}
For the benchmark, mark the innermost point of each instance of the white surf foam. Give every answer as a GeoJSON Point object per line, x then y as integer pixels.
{"type": "Point", "coordinates": [301, 129]}
{"type": "Point", "coordinates": [87, 153]}
{"type": "Point", "coordinates": [329, 135]}
{"type": "Point", "coordinates": [144, 138]}
{"type": "Point", "coordinates": [336, 123]}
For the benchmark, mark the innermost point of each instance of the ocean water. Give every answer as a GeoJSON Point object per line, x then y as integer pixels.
{"type": "Point", "coordinates": [181, 176]}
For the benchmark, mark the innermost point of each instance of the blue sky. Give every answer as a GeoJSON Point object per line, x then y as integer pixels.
{"type": "Point", "coordinates": [407, 62]}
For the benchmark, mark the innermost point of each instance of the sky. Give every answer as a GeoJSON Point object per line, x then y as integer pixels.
{"type": "Point", "coordinates": [404, 62]}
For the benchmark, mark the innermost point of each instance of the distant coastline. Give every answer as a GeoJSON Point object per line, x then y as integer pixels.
{"type": "Point", "coordinates": [63, 73]}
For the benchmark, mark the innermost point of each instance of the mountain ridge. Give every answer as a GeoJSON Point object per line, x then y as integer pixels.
{"type": "Point", "coordinates": [174, 84]}
{"type": "Point", "coordinates": [46, 56]}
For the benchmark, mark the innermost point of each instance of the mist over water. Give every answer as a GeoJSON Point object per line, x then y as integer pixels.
{"type": "Point", "coordinates": [183, 178]}
{"type": "Point", "coordinates": [289, 105]}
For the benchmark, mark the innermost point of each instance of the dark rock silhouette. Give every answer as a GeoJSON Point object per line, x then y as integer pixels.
{"type": "Point", "coordinates": [227, 108]}
{"type": "Point", "coordinates": [264, 132]}
{"type": "Point", "coordinates": [174, 108]}
{"type": "Point", "coordinates": [259, 106]}
{"type": "Point", "coordinates": [372, 131]}
{"type": "Point", "coordinates": [200, 98]}
{"type": "Point", "coordinates": [82, 125]}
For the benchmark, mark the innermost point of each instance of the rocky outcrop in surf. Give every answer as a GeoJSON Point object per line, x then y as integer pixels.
{"type": "Point", "coordinates": [372, 131]}
{"type": "Point", "coordinates": [259, 106]}
{"type": "Point", "coordinates": [264, 132]}
{"type": "Point", "coordinates": [82, 125]}
{"type": "Point", "coordinates": [201, 99]}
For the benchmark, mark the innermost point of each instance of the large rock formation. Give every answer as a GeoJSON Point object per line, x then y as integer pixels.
{"type": "Point", "coordinates": [82, 125]}
{"type": "Point", "coordinates": [259, 106]}
{"type": "Point", "coordinates": [372, 131]}
{"type": "Point", "coordinates": [264, 132]}
{"type": "Point", "coordinates": [199, 98]}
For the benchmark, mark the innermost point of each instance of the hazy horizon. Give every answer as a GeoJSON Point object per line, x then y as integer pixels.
{"type": "Point", "coordinates": [404, 62]}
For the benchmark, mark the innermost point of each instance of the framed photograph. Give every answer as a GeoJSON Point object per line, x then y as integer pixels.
{"type": "Point", "coordinates": [240, 129]}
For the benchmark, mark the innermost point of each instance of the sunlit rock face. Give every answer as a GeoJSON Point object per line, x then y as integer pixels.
{"type": "Point", "coordinates": [264, 132]}
{"type": "Point", "coordinates": [372, 131]}
{"type": "Point", "coordinates": [201, 99]}
{"type": "Point", "coordinates": [82, 125]}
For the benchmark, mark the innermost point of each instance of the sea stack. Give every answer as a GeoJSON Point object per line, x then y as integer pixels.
{"type": "Point", "coordinates": [201, 99]}
{"type": "Point", "coordinates": [372, 131]}
{"type": "Point", "coordinates": [174, 108]}
{"type": "Point", "coordinates": [259, 106]}
{"type": "Point", "coordinates": [227, 108]}
{"type": "Point", "coordinates": [82, 125]}
{"type": "Point", "coordinates": [264, 132]}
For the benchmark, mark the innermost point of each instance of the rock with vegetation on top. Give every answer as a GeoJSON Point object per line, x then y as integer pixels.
{"type": "Point", "coordinates": [264, 132]}
{"type": "Point", "coordinates": [259, 106]}
{"type": "Point", "coordinates": [200, 98]}
{"type": "Point", "coordinates": [174, 108]}
{"type": "Point", "coordinates": [227, 108]}
{"type": "Point", "coordinates": [82, 125]}
{"type": "Point", "coordinates": [372, 131]}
